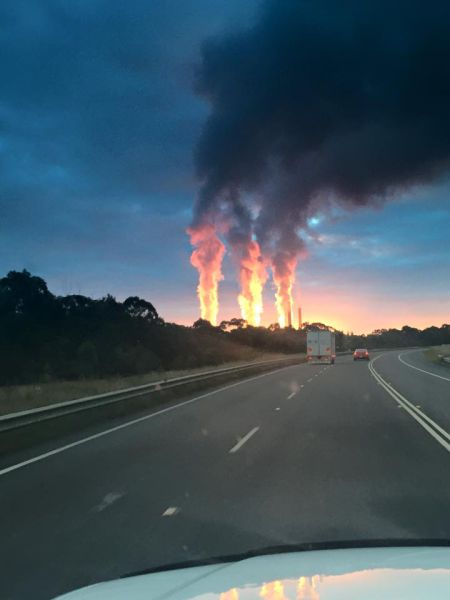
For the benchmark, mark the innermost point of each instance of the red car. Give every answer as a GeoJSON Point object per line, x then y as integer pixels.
{"type": "Point", "coordinates": [361, 354]}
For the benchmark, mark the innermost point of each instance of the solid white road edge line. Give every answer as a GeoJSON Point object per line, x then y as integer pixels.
{"type": "Point", "coordinates": [414, 408]}
{"type": "Point", "coordinates": [45, 455]}
{"type": "Point", "coordinates": [242, 441]}
{"type": "Point", "coordinates": [415, 413]}
{"type": "Point", "coordinates": [417, 368]}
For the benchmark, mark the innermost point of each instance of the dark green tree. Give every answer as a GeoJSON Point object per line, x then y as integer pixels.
{"type": "Point", "coordinates": [139, 308]}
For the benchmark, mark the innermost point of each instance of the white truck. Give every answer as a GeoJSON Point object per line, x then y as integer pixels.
{"type": "Point", "coordinates": [320, 346]}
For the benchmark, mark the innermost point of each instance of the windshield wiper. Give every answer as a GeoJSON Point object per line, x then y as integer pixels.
{"type": "Point", "coordinates": [286, 548]}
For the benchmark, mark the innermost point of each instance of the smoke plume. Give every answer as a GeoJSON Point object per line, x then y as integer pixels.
{"type": "Point", "coordinates": [318, 102]}
{"type": "Point", "coordinates": [207, 259]}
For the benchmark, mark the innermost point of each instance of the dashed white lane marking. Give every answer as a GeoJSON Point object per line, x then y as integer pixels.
{"type": "Point", "coordinates": [108, 500]}
{"type": "Point", "coordinates": [277, 408]}
{"type": "Point", "coordinates": [100, 434]}
{"type": "Point", "coordinates": [242, 441]}
{"type": "Point", "coordinates": [291, 395]}
{"type": "Point", "coordinates": [309, 380]}
{"type": "Point", "coordinates": [417, 368]}
{"type": "Point", "coordinates": [302, 385]}
{"type": "Point", "coordinates": [171, 511]}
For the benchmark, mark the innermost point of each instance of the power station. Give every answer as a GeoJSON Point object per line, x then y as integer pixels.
{"type": "Point", "coordinates": [289, 318]}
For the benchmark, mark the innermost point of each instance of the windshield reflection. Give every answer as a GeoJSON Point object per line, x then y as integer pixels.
{"type": "Point", "coordinates": [303, 589]}
{"type": "Point", "coordinates": [232, 594]}
{"type": "Point", "coordinates": [307, 588]}
{"type": "Point", "coordinates": [274, 590]}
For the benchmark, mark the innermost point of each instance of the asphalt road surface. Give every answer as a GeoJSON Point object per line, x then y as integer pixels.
{"type": "Point", "coordinates": [309, 453]}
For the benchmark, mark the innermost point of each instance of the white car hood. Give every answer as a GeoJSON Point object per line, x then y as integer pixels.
{"type": "Point", "coordinates": [374, 573]}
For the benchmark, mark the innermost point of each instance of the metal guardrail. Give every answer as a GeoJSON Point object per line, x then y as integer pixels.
{"type": "Point", "coordinates": [51, 411]}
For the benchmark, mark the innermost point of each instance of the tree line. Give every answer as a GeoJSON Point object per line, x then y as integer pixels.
{"type": "Point", "coordinates": [399, 338]}
{"type": "Point", "coordinates": [46, 337]}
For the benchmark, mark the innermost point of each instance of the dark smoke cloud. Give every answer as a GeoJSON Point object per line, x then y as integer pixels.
{"type": "Point", "coordinates": [325, 99]}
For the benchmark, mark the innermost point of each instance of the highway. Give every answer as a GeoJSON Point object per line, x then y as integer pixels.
{"type": "Point", "coordinates": [308, 453]}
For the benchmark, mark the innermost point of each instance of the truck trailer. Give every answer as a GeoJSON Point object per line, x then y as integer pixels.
{"type": "Point", "coordinates": [320, 346]}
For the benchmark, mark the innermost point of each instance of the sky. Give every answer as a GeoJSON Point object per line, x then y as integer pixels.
{"type": "Point", "coordinates": [99, 121]}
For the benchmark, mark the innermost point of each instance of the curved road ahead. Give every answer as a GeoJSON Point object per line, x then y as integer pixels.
{"type": "Point", "coordinates": [304, 454]}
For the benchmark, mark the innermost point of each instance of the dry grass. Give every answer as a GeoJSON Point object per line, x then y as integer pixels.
{"type": "Point", "coordinates": [23, 397]}
{"type": "Point", "coordinates": [436, 353]}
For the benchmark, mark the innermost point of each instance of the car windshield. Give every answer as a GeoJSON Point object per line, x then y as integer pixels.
{"type": "Point", "coordinates": [206, 206]}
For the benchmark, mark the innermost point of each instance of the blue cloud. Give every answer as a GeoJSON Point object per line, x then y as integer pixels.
{"type": "Point", "coordinates": [97, 125]}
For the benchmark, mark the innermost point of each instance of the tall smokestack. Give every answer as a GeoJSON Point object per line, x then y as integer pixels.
{"type": "Point", "coordinates": [299, 317]}
{"type": "Point", "coordinates": [289, 317]}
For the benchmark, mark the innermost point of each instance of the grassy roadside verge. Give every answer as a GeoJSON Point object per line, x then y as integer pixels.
{"type": "Point", "coordinates": [25, 397]}
{"type": "Point", "coordinates": [69, 427]}
{"type": "Point", "coordinates": [436, 354]}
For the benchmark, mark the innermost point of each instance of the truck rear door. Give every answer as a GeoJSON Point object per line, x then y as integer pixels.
{"type": "Point", "coordinates": [325, 343]}
{"type": "Point", "coordinates": [312, 343]}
